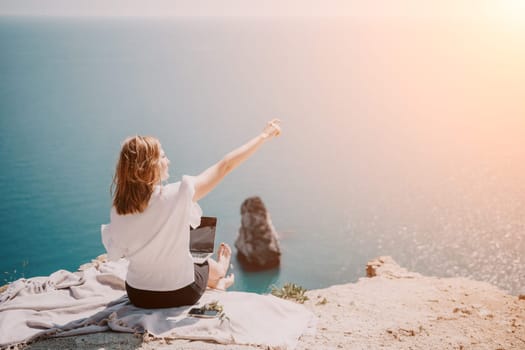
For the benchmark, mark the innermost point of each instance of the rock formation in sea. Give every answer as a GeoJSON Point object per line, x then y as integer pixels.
{"type": "Point", "coordinates": [257, 244]}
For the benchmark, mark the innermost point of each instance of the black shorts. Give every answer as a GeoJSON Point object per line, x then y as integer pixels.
{"type": "Point", "coordinates": [189, 295]}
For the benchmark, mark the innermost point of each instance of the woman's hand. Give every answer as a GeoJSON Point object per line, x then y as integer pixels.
{"type": "Point", "coordinates": [209, 178]}
{"type": "Point", "coordinates": [272, 129]}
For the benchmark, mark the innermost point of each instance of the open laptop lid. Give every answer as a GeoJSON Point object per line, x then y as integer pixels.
{"type": "Point", "coordinates": [202, 238]}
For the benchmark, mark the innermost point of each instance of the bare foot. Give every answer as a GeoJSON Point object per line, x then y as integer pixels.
{"type": "Point", "coordinates": [224, 256]}
{"type": "Point", "coordinates": [225, 282]}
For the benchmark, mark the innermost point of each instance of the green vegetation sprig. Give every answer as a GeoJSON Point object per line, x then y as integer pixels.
{"type": "Point", "coordinates": [290, 291]}
{"type": "Point", "coordinates": [214, 305]}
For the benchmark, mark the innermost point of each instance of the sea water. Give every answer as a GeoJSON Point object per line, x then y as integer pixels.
{"type": "Point", "coordinates": [402, 138]}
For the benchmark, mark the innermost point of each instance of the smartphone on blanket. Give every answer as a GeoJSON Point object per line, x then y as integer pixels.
{"type": "Point", "coordinates": [200, 312]}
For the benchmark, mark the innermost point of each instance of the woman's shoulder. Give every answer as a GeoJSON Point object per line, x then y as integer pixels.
{"type": "Point", "coordinates": [167, 190]}
{"type": "Point", "coordinates": [188, 185]}
{"type": "Point", "coordinates": [187, 181]}
{"type": "Point", "coordinates": [184, 187]}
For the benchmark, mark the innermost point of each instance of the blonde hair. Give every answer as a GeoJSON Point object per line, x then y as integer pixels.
{"type": "Point", "coordinates": [136, 173]}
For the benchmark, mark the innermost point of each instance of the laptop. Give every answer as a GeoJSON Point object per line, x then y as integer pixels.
{"type": "Point", "coordinates": [202, 239]}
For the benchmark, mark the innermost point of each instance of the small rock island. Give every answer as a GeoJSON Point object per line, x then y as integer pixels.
{"type": "Point", "coordinates": [257, 244]}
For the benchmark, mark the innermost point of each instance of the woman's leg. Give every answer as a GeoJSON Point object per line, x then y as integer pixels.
{"type": "Point", "coordinates": [217, 277]}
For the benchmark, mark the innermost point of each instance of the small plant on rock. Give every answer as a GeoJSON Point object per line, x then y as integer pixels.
{"type": "Point", "coordinates": [214, 305]}
{"type": "Point", "coordinates": [290, 291]}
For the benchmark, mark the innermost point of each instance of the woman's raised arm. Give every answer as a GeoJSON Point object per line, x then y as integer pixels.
{"type": "Point", "coordinates": [209, 178]}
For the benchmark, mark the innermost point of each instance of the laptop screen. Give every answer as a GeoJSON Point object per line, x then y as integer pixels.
{"type": "Point", "coordinates": [202, 238]}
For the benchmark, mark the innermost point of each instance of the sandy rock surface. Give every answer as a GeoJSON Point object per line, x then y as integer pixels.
{"type": "Point", "coordinates": [395, 309]}
{"type": "Point", "coordinates": [398, 309]}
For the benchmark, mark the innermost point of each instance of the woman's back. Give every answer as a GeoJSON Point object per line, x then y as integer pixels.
{"type": "Point", "coordinates": [156, 240]}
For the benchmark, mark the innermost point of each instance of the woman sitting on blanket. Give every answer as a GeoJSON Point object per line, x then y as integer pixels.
{"type": "Point", "coordinates": [150, 223]}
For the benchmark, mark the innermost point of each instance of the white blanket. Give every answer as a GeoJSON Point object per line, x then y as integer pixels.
{"type": "Point", "coordinates": [94, 300]}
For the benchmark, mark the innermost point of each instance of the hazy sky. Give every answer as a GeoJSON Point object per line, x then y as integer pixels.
{"type": "Point", "coordinates": [261, 8]}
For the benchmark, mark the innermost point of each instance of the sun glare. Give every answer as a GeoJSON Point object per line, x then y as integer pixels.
{"type": "Point", "coordinates": [512, 10]}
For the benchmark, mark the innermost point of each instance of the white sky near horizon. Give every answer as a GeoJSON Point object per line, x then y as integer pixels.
{"type": "Point", "coordinates": [266, 8]}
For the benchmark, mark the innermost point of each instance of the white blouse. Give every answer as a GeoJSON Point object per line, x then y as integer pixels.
{"type": "Point", "coordinates": [157, 241]}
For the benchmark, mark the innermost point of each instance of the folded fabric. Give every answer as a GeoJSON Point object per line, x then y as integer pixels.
{"type": "Point", "coordinates": [94, 300]}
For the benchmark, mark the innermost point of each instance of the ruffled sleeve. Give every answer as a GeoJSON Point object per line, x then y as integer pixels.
{"type": "Point", "coordinates": [187, 191]}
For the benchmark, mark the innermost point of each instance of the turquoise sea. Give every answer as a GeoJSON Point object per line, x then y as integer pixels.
{"type": "Point", "coordinates": [402, 138]}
